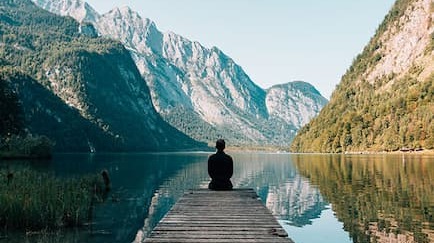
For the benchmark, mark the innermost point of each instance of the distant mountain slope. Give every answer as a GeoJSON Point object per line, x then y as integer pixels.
{"type": "Point", "coordinates": [201, 91]}
{"type": "Point", "coordinates": [385, 100]}
{"type": "Point", "coordinates": [290, 106]}
{"type": "Point", "coordinates": [294, 103]}
{"type": "Point", "coordinates": [84, 93]}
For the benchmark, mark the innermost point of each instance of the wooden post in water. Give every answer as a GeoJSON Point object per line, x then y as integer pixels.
{"type": "Point", "coordinates": [235, 216]}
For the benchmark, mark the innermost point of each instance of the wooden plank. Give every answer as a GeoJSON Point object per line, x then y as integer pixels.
{"type": "Point", "coordinates": [178, 240]}
{"type": "Point", "coordinates": [236, 216]}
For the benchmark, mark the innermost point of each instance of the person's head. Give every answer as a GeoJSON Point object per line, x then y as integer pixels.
{"type": "Point", "coordinates": [220, 144]}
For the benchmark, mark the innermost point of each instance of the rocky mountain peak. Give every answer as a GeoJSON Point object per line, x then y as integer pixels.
{"type": "Point", "coordinates": [294, 102]}
{"type": "Point", "coordinates": [84, 93]}
{"type": "Point", "coordinates": [78, 9]}
{"type": "Point", "coordinates": [127, 15]}
{"type": "Point", "coordinates": [404, 42]}
{"type": "Point", "coordinates": [385, 100]}
{"type": "Point", "coordinates": [129, 27]}
{"type": "Point", "coordinates": [199, 90]}
{"type": "Point", "coordinates": [302, 86]}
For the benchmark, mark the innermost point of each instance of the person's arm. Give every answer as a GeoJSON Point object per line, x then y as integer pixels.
{"type": "Point", "coordinates": [231, 169]}
{"type": "Point", "coordinates": [211, 170]}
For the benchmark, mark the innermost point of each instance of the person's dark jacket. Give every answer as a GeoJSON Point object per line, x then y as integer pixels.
{"type": "Point", "coordinates": [220, 169]}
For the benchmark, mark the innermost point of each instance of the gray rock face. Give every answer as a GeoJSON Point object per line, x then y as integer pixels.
{"type": "Point", "coordinates": [79, 10]}
{"type": "Point", "coordinates": [294, 103]}
{"type": "Point", "coordinates": [201, 91]}
{"type": "Point", "coordinates": [86, 94]}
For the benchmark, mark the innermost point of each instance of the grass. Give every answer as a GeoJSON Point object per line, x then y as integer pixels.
{"type": "Point", "coordinates": [32, 200]}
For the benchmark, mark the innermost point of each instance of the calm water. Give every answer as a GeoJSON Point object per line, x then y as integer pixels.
{"type": "Point", "coordinates": [317, 198]}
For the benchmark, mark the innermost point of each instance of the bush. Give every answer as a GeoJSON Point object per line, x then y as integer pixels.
{"type": "Point", "coordinates": [29, 146]}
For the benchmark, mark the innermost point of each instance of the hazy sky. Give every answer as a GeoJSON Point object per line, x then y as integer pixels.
{"type": "Point", "coordinates": [274, 41]}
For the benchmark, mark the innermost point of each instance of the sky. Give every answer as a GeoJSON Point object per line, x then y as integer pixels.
{"type": "Point", "coordinates": [274, 41]}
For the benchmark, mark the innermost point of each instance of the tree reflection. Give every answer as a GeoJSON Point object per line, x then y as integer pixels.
{"type": "Point", "coordinates": [381, 198]}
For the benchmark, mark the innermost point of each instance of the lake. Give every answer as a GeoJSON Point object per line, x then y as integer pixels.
{"type": "Point", "coordinates": [316, 197]}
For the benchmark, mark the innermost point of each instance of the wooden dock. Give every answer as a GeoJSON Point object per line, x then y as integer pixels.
{"type": "Point", "coordinates": [235, 216]}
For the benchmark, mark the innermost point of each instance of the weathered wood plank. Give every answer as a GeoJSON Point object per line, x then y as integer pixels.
{"type": "Point", "coordinates": [161, 240]}
{"type": "Point", "coordinates": [236, 216]}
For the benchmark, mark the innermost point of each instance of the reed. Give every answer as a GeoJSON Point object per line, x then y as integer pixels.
{"type": "Point", "coordinates": [33, 200]}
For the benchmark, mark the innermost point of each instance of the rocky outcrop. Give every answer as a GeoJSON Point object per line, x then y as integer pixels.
{"type": "Point", "coordinates": [385, 101]}
{"type": "Point", "coordinates": [201, 91]}
{"type": "Point", "coordinates": [85, 93]}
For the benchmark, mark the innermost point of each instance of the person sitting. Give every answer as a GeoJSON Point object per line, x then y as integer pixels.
{"type": "Point", "coordinates": [220, 168]}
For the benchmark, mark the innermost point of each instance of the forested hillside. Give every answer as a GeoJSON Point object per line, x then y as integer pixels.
{"type": "Point", "coordinates": [199, 90]}
{"type": "Point", "coordinates": [385, 100]}
{"type": "Point", "coordinates": [83, 92]}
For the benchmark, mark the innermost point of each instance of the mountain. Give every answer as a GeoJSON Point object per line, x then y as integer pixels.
{"type": "Point", "coordinates": [292, 105]}
{"type": "Point", "coordinates": [385, 100]}
{"type": "Point", "coordinates": [42, 112]}
{"type": "Point", "coordinates": [84, 93]}
{"type": "Point", "coordinates": [81, 11]}
{"type": "Point", "coordinates": [200, 91]}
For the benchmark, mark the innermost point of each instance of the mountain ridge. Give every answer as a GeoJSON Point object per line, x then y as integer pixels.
{"type": "Point", "coordinates": [84, 92]}
{"type": "Point", "coordinates": [194, 87]}
{"type": "Point", "coordinates": [384, 101]}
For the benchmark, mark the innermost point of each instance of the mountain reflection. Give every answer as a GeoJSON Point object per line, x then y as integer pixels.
{"type": "Point", "coordinates": [379, 198]}
{"type": "Point", "coordinates": [288, 195]}
{"type": "Point", "coordinates": [273, 176]}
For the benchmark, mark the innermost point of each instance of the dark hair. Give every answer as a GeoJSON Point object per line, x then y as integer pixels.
{"type": "Point", "coordinates": [220, 144]}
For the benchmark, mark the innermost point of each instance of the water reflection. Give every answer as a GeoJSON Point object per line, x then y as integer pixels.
{"type": "Point", "coordinates": [145, 187]}
{"type": "Point", "coordinates": [380, 198]}
{"type": "Point", "coordinates": [135, 178]}
{"type": "Point", "coordinates": [377, 198]}
{"type": "Point", "coordinates": [288, 195]}
{"type": "Point", "coordinates": [273, 176]}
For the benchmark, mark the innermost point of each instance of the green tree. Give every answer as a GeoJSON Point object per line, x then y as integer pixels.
{"type": "Point", "coordinates": [11, 114]}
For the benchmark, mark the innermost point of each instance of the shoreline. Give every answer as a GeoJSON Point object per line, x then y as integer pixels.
{"type": "Point", "coordinates": [425, 151]}
{"type": "Point", "coordinates": [24, 157]}
{"type": "Point", "coordinates": [283, 150]}
{"type": "Point", "coordinates": [12, 157]}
